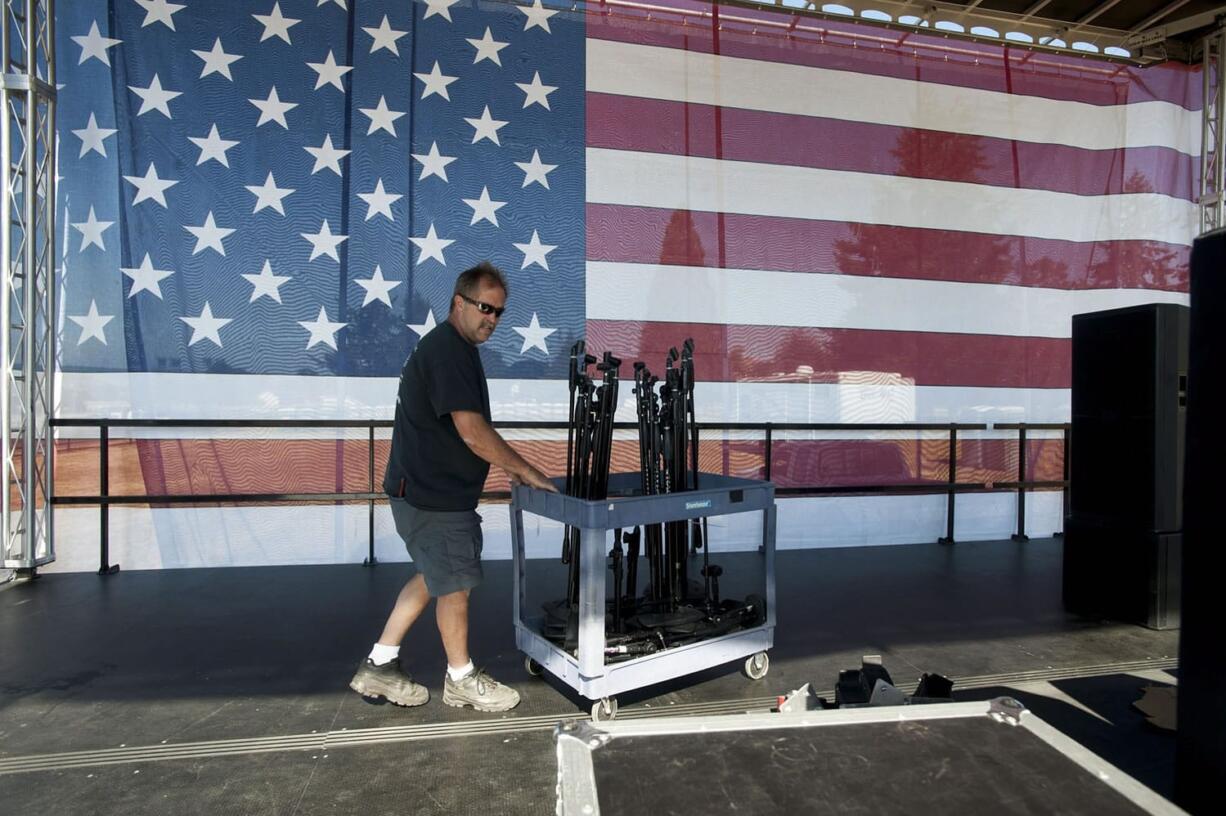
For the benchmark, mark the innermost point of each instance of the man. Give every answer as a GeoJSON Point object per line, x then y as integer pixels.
{"type": "Point", "coordinates": [442, 449]}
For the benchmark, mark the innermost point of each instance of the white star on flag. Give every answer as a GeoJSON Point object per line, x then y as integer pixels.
{"type": "Point", "coordinates": [95, 45]}
{"type": "Point", "coordinates": [535, 252]}
{"type": "Point", "coordinates": [212, 147]}
{"type": "Point", "coordinates": [206, 326]}
{"type": "Point", "coordinates": [209, 235]}
{"type": "Point", "coordinates": [154, 98]}
{"type": "Point", "coordinates": [150, 186]}
{"type": "Point", "coordinates": [216, 61]}
{"type": "Point", "coordinates": [379, 202]}
{"type": "Point", "coordinates": [538, 16]}
{"type": "Point", "coordinates": [92, 137]}
{"type": "Point", "coordinates": [423, 328]}
{"type": "Point", "coordinates": [145, 278]}
{"type": "Point", "coordinates": [381, 117]}
{"type": "Point", "coordinates": [534, 335]}
{"type": "Point", "coordinates": [535, 91]}
{"type": "Point", "coordinates": [536, 170]}
{"type": "Point", "coordinates": [433, 163]}
{"type": "Point", "coordinates": [327, 156]}
{"type": "Point", "coordinates": [322, 330]}
{"type": "Point", "coordinates": [160, 11]}
{"type": "Point", "coordinates": [324, 242]}
{"type": "Point", "coordinates": [487, 48]}
{"type": "Point", "coordinates": [431, 246]}
{"type": "Point", "coordinates": [384, 37]}
{"type": "Point", "coordinates": [92, 324]}
{"type": "Point", "coordinates": [436, 82]}
{"type": "Point", "coordinates": [329, 72]}
{"type": "Point", "coordinates": [486, 127]}
{"type": "Point", "coordinates": [484, 208]}
{"type": "Point", "coordinates": [439, 7]}
{"type": "Point", "coordinates": [269, 194]}
{"type": "Point", "coordinates": [377, 288]}
{"type": "Point", "coordinates": [275, 24]}
{"type": "Point", "coordinates": [266, 284]}
{"type": "Point", "coordinates": [340, 3]}
{"type": "Point", "coordinates": [273, 109]}
{"type": "Point", "coordinates": [91, 231]}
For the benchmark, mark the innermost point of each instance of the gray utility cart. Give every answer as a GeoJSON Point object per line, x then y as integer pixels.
{"type": "Point", "coordinates": [588, 673]}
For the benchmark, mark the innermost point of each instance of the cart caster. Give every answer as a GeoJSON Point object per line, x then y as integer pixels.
{"type": "Point", "coordinates": [532, 667]}
{"type": "Point", "coordinates": [604, 710]}
{"type": "Point", "coordinates": [756, 666]}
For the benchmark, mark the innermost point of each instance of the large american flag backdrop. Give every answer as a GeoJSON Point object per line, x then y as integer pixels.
{"type": "Point", "coordinates": [265, 203]}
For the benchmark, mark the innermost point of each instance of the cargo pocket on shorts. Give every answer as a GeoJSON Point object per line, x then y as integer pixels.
{"type": "Point", "coordinates": [462, 546]}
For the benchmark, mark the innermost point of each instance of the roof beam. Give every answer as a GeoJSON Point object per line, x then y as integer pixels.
{"type": "Point", "coordinates": [1093, 15]}
{"type": "Point", "coordinates": [1033, 10]}
{"type": "Point", "coordinates": [1158, 15]}
{"type": "Point", "coordinates": [1141, 37]}
{"type": "Point", "coordinates": [925, 15]}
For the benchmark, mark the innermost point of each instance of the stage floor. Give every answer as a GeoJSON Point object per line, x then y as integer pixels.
{"type": "Point", "coordinates": [225, 690]}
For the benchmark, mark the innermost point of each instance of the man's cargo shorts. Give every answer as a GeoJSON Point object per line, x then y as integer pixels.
{"type": "Point", "coordinates": [445, 545]}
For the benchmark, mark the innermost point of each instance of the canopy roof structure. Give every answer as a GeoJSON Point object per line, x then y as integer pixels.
{"type": "Point", "coordinates": [1136, 31]}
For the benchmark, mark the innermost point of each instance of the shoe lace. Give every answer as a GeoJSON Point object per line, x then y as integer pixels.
{"type": "Point", "coordinates": [484, 681]}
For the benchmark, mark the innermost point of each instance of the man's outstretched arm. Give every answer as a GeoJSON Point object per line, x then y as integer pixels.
{"type": "Point", "coordinates": [487, 443]}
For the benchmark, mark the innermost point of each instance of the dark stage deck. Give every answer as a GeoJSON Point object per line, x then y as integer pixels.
{"type": "Point", "coordinates": [224, 690]}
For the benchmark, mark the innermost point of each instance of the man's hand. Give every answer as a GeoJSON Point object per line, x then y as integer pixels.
{"type": "Point", "coordinates": [534, 478]}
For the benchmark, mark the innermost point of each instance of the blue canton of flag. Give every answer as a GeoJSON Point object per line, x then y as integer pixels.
{"type": "Point", "coordinates": [291, 186]}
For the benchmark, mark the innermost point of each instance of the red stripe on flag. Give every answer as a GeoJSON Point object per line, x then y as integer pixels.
{"type": "Point", "coordinates": [685, 237]}
{"type": "Point", "coordinates": [905, 55]}
{"type": "Point", "coordinates": [236, 466]}
{"type": "Point", "coordinates": [736, 353]}
{"type": "Point", "coordinates": [735, 134]}
{"type": "Point", "coordinates": [843, 462]}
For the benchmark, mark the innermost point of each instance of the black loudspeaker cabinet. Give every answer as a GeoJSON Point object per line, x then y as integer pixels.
{"type": "Point", "coordinates": [1200, 753]}
{"type": "Point", "coordinates": [1128, 414]}
{"type": "Point", "coordinates": [1122, 574]}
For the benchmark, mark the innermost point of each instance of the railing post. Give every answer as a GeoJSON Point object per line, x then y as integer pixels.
{"type": "Point", "coordinates": [105, 567]}
{"type": "Point", "coordinates": [1020, 535]}
{"type": "Point", "coordinates": [1064, 490]}
{"type": "Point", "coordinates": [948, 538]}
{"type": "Point", "coordinates": [370, 486]}
{"type": "Point", "coordinates": [769, 438]}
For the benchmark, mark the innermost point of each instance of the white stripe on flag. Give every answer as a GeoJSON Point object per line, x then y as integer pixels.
{"type": "Point", "coordinates": [688, 76]}
{"type": "Point", "coordinates": [861, 397]}
{"type": "Point", "coordinates": [688, 294]}
{"type": "Point", "coordinates": [181, 537]}
{"type": "Point", "coordinates": [162, 538]}
{"type": "Point", "coordinates": [691, 183]}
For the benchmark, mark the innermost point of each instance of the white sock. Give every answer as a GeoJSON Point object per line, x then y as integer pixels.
{"type": "Point", "coordinates": [456, 674]}
{"type": "Point", "coordinates": [381, 654]}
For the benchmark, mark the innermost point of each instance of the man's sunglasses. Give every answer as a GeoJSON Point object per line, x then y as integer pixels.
{"type": "Point", "coordinates": [484, 308]}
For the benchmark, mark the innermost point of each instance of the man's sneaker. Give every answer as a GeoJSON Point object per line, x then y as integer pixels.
{"type": "Point", "coordinates": [390, 682]}
{"type": "Point", "coordinates": [479, 690]}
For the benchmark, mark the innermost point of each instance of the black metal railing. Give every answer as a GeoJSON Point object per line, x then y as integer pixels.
{"type": "Point", "coordinates": [950, 487]}
{"type": "Point", "coordinates": [1023, 485]}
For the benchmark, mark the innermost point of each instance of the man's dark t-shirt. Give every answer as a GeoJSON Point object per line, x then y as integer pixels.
{"type": "Point", "coordinates": [437, 469]}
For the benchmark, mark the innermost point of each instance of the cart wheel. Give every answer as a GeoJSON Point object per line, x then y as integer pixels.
{"type": "Point", "coordinates": [604, 710]}
{"type": "Point", "coordinates": [756, 666]}
{"type": "Point", "coordinates": [532, 667]}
